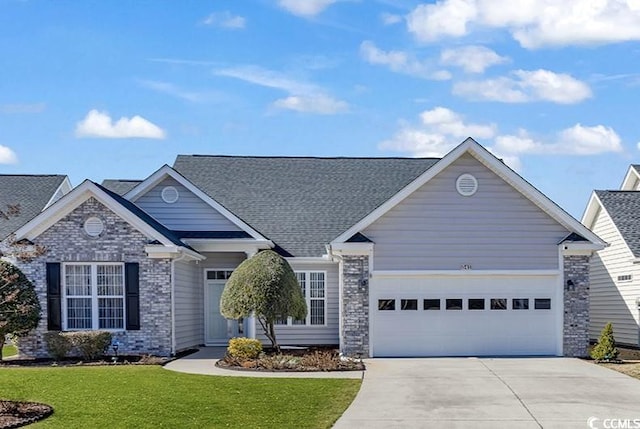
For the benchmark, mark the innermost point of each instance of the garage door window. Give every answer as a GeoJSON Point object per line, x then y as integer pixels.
{"type": "Point", "coordinates": [454, 304]}
{"type": "Point", "coordinates": [409, 304]}
{"type": "Point", "coordinates": [476, 304]}
{"type": "Point", "coordinates": [498, 303]}
{"type": "Point", "coordinates": [542, 304]}
{"type": "Point", "coordinates": [386, 304]}
{"type": "Point", "coordinates": [431, 304]}
{"type": "Point", "coordinates": [520, 303]}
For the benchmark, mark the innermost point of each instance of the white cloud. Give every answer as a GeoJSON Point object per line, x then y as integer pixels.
{"type": "Point", "coordinates": [175, 91]}
{"type": "Point", "coordinates": [533, 23]}
{"type": "Point", "coordinates": [390, 18]}
{"type": "Point", "coordinates": [441, 129]}
{"type": "Point", "coordinates": [401, 62]}
{"type": "Point", "coordinates": [267, 78]}
{"type": "Point", "coordinates": [100, 125]}
{"type": "Point", "coordinates": [581, 140]}
{"type": "Point", "coordinates": [225, 20]}
{"type": "Point", "coordinates": [575, 140]}
{"type": "Point", "coordinates": [7, 156]}
{"type": "Point", "coordinates": [22, 108]}
{"type": "Point", "coordinates": [320, 104]}
{"type": "Point", "coordinates": [445, 121]}
{"type": "Point", "coordinates": [472, 58]}
{"type": "Point", "coordinates": [526, 86]}
{"type": "Point", "coordinates": [305, 8]}
{"type": "Point", "coordinates": [302, 96]}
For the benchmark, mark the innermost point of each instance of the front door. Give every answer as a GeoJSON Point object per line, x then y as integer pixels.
{"type": "Point", "coordinates": [215, 326]}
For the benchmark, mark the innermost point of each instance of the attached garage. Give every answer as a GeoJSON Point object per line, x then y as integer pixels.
{"type": "Point", "coordinates": [466, 315]}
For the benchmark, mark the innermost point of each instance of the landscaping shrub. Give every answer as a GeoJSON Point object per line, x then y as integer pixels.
{"type": "Point", "coordinates": [606, 349]}
{"type": "Point", "coordinates": [58, 345]}
{"type": "Point", "coordinates": [244, 348]}
{"type": "Point", "coordinates": [90, 344]}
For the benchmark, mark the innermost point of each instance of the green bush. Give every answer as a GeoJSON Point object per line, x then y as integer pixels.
{"type": "Point", "coordinates": [244, 348]}
{"type": "Point", "coordinates": [606, 349]}
{"type": "Point", "coordinates": [58, 345]}
{"type": "Point", "coordinates": [90, 344]}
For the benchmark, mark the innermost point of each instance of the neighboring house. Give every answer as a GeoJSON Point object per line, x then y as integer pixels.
{"type": "Point", "coordinates": [396, 257]}
{"type": "Point", "coordinates": [23, 196]}
{"type": "Point", "coordinates": [615, 278]}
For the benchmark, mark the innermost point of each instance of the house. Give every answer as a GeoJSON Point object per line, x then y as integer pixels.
{"type": "Point", "coordinates": [458, 256]}
{"type": "Point", "coordinates": [22, 197]}
{"type": "Point", "coordinates": [615, 279]}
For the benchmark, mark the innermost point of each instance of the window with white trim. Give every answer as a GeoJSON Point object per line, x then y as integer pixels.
{"type": "Point", "coordinates": [93, 296]}
{"type": "Point", "coordinates": [313, 285]}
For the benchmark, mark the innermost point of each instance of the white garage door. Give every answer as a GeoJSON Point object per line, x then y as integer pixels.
{"type": "Point", "coordinates": [465, 316]}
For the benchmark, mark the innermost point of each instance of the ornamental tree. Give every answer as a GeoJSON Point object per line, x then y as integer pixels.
{"type": "Point", "coordinates": [606, 349]}
{"type": "Point", "coordinates": [19, 305]}
{"type": "Point", "coordinates": [266, 287]}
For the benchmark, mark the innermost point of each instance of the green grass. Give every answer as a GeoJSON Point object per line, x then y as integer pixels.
{"type": "Point", "coordinates": [9, 351]}
{"type": "Point", "coordinates": [152, 397]}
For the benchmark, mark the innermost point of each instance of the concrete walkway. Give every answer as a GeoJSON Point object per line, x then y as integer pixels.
{"type": "Point", "coordinates": [491, 393]}
{"type": "Point", "coordinates": [203, 362]}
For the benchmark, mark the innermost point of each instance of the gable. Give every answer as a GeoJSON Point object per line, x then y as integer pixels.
{"type": "Point", "coordinates": [188, 213]}
{"type": "Point", "coordinates": [623, 208]}
{"type": "Point", "coordinates": [437, 228]}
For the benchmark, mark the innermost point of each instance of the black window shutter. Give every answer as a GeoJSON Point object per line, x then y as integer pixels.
{"type": "Point", "coordinates": [54, 297]}
{"type": "Point", "coordinates": [132, 288]}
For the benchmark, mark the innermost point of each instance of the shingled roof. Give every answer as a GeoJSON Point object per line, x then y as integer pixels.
{"type": "Point", "coordinates": [28, 195]}
{"type": "Point", "coordinates": [624, 209]}
{"type": "Point", "coordinates": [118, 186]}
{"type": "Point", "coordinates": [300, 203]}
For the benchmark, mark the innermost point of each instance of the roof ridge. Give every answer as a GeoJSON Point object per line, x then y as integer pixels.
{"type": "Point", "coordinates": [33, 175]}
{"type": "Point", "coordinates": [307, 157]}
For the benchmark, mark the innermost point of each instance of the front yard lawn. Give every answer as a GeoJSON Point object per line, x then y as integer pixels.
{"type": "Point", "coordinates": [152, 397]}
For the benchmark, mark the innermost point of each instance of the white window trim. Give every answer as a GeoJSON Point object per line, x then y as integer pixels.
{"type": "Point", "coordinates": [307, 298]}
{"type": "Point", "coordinates": [95, 322]}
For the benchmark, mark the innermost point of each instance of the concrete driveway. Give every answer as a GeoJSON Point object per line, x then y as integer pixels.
{"type": "Point", "coordinates": [492, 393]}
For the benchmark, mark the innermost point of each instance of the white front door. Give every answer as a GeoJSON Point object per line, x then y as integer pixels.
{"type": "Point", "coordinates": [215, 326]}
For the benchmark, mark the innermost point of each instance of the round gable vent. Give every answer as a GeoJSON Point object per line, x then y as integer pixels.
{"type": "Point", "coordinates": [466, 185]}
{"type": "Point", "coordinates": [170, 194]}
{"type": "Point", "coordinates": [93, 226]}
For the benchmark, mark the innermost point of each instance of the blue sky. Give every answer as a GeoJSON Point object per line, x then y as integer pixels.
{"type": "Point", "coordinates": [100, 89]}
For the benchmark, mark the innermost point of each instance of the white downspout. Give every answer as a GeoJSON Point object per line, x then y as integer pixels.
{"type": "Point", "coordinates": [251, 320]}
{"type": "Point", "coordinates": [340, 289]}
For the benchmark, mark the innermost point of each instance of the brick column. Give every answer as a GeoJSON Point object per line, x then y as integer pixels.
{"type": "Point", "coordinates": [355, 306]}
{"type": "Point", "coordinates": [576, 305]}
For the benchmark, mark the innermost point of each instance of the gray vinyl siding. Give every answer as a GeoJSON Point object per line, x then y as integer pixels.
{"type": "Point", "coordinates": [435, 228]}
{"type": "Point", "coordinates": [308, 334]}
{"type": "Point", "coordinates": [189, 301]}
{"type": "Point", "coordinates": [189, 213]}
{"type": "Point", "coordinates": [189, 295]}
{"type": "Point", "coordinates": [221, 261]}
{"type": "Point", "coordinates": [610, 300]}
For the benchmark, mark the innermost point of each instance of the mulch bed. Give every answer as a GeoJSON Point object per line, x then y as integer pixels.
{"type": "Point", "coordinates": [312, 359]}
{"type": "Point", "coordinates": [17, 414]}
{"type": "Point", "coordinates": [106, 361]}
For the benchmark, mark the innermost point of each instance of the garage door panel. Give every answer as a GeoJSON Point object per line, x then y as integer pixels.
{"type": "Point", "coordinates": [464, 332]}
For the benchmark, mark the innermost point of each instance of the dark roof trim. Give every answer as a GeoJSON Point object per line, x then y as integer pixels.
{"type": "Point", "coordinates": [359, 238]}
{"type": "Point", "coordinates": [211, 234]}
